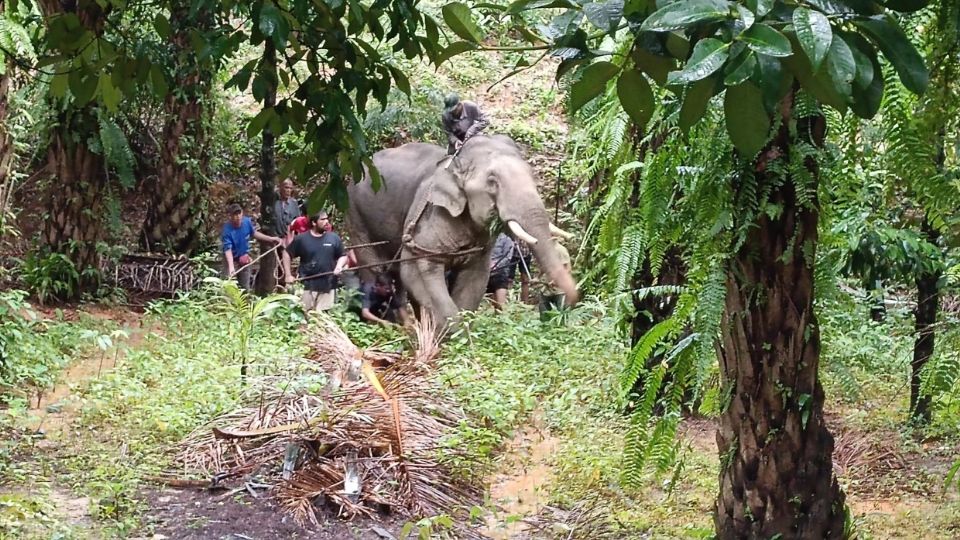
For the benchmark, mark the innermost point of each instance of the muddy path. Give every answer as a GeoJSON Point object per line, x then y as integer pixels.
{"type": "Point", "coordinates": [519, 489]}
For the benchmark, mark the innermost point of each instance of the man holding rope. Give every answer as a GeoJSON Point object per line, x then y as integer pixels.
{"type": "Point", "coordinates": [322, 256]}
{"type": "Point", "coordinates": [235, 237]}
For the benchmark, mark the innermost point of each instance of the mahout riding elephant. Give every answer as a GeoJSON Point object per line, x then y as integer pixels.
{"type": "Point", "coordinates": [429, 208]}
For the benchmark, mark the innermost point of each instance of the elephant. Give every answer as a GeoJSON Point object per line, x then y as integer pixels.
{"type": "Point", "coordinates": [431, 205]}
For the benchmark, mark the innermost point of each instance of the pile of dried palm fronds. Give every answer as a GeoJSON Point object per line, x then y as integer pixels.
{"type": "Point", "coordinates": [380, 416]}
{"type": "Point", "coordinates": [150, 273]}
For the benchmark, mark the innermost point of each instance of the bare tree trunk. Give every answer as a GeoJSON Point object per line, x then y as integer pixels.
{"type": "Point", "coordinates": [925, 317]}
{"type": "Point", "coordinates": [776, 478]}
{"type": "Point", "coordinates": [177, 211]}
{"type": "Point", "coordinates": [267, 274]}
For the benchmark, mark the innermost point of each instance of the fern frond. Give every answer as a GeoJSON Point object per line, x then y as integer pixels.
{"type": "Point", "coordinates": [116, 151]}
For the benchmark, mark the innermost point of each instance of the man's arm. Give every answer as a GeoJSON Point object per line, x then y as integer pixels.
{"type": "Point", "coordinates": [227, 250]}
{"type": "Point", "coordinates": [228, 255]}
{"type": "Point", "coordinates": [369, 316]}
{"type": "Point", "coordinates": [341, 264]}
{"type": "Point", "coordinates": [480, 120]}
{"type": "Point", "coordinates": [291, 251]}
{"type": "Point", "coordinates": [264, 238]}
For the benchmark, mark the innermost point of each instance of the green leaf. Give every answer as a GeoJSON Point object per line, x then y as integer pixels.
{"type": "Point", "coordinates": [604, 15]}
{"type": "Point", "coordinates": [158, 81]}
{"type": "Point", "coordinates": [818, 84]}
{"type": "Point", "coordinates": [695, 102]}
{"type": "Point", "coordinates": [458, 17]}
{"type": "Point", "coordinates": [636, 96]}
{"type": "Point", "coordinates": [741, 69]}
{"type": "Point", "coordinates": [455, 48]}
{"type": "Point", "coordinates": [841, 66]}
{"type": "Point", "coordinates": [766, 40]}
{"type": "Point", "coordinates": [685, 13]}
{"type": "Point", "coordinates": [654, 65]}
{"type": "Point", "coordinates": [162, 25]}
{"type": "Point", "coordinates": [82, 86]}
{"type": "Point", "coordinates": [867, 97]}
{"type": "Point", "coordinates": [747, 121]}
{"type": "Point", "coordinates": [708, 56]}
{"type": "Point", "coordinates": [58, 85]}
{"type": "Point", "coordinates": [746, 16]}
{"type": "Point", "coordinates": [259, 122]}
{"type": "Point", "coordinates": [403, 83]}
{"type": "Point", "coordinates": [814, 34]}
{"type": "Point", "coordinates": [269, 20]}
{"type": "Point", "coordinates": [760, 7]}
{"type": "Point", "coordinates": [111, 95]}
{"type": "Point", "coordinates": [524, 5]}
{"type": "Point", "coordinates": [591, 83]}
{"type": "Point", "coordinates": [906, 6]}
{"type": "Point", "coordinates": [775, 81]}
{"type": "Point", "coordinates": [863, 56]}
{"type": "Point", "coordinates": [898, 50]}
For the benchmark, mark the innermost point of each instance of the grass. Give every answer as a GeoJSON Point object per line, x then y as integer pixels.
{"type": "Point", "coordinates": [503, 368]}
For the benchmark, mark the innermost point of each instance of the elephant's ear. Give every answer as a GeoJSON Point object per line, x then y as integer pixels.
{"type": "Point", "coordinates": [446, 192]}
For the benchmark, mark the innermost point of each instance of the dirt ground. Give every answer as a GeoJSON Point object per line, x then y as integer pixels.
{"type": "Point", "coordinates": [195, 515]}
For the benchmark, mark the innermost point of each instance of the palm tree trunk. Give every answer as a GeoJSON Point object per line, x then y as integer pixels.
{"type": "Point", "coordinates": [776, 476]}
{"type": "Point", "coordinates": [75, 201]}
{"type": "Point", "coordinates": [267, 274]}
{"type": "Point", "coordinates": [175, 218]}
{"type": "Point", "coordinates": [76, 196]}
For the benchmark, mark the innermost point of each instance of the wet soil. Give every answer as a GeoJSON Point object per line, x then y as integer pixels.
{"type": "Point", "coordinates": [520, 488]}
{"type": "Point", "coordinates": [198, 514]}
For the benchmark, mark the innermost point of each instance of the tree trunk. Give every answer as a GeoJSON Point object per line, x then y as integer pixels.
{"type": "Point", "coordinates": [776, 476]}
{"type": "Point", "coordinates": [267, 274]}
{"type": "Point", "coordinates": [925, 317]}
{"type": "Point", "coordinates": [76, 196]}
{"type": "Point", "coordinates": [6, 146]}
{"type": "Point", "coordinates": [75, 201]}
{"type": "Point", "coordinates": [177, 210]}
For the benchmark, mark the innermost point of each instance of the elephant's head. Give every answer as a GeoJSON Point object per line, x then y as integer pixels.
{"type": "Point", "coordinates": [490, 177]}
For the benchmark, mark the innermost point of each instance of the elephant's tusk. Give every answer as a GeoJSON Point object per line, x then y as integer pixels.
{"type": "Point", "coordinates": [557, 231]}
{"type": "Point", "coordinates": [520, 233]}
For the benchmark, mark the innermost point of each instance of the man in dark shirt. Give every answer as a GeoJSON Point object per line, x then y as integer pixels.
{"type": "Point", "coordinates": [461, 120]}
{"type": "Point", "coordinates": [502, 269]}
{"type": "Point", "coordinates": [381, 303]}
{"type": "Point", "coordinates": [285, 209]}
{"type": "Point", "coordinates": [322, 257]}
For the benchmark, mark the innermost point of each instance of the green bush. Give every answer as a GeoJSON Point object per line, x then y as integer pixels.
{"type": "Point", "coordinates": [50, 277]}
{"type": "Point", "coordinates": [32, 351]}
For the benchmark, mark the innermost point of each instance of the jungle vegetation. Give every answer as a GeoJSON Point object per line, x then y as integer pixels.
{"type": "Point", "coordinates": [759, 188]}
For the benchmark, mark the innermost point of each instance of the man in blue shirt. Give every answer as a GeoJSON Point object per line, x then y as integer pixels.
{"type": "Point", "coordinates": [236, 245]}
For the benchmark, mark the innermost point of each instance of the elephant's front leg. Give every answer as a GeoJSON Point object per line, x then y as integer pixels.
{"type": "Point", "coordinates": [424, 280]}
{"type": "Point", "coordinates": [471, 283]}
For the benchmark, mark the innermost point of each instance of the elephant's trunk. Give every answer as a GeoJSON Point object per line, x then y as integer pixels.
{"type": "Point", "coordinates": [537, 224]}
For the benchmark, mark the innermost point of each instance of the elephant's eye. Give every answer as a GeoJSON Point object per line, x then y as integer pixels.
{"type": "Point", "coordinates": [492, 180]}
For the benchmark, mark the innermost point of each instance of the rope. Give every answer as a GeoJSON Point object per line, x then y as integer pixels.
{"type": "Point", "coordinates": [274, 248]}
{"type": "Point", "coordinates": [369, 244]}
{"type": "Point", "coordinates": [262, 255]}
{"type": "Point", "coordinates": [396, 260]}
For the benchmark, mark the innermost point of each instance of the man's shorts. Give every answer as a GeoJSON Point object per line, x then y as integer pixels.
{"type": "Point", "coordinates": [316, 300]}
{"type": "Point", "coordinates": [500, 280]}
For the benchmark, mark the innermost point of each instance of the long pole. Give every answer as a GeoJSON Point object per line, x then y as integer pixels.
{"type": "Point", "coordinates": [402, 259]}
{"type": "Point", "coordinates": [556, 205]}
